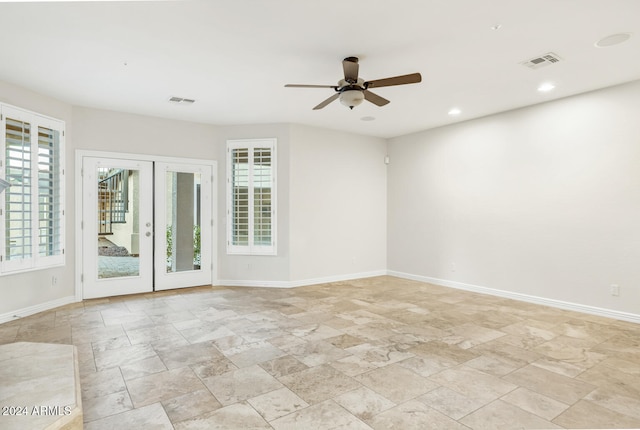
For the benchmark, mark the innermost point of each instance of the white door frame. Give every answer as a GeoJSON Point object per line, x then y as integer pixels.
{"type": "Point", "coordinates": [81, 153]}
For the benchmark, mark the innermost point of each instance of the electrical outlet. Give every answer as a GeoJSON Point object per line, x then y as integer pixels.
{"type": "Point", "coordinates": [614, 289]}
{"type": "Point", "coordinates": [54, 280]}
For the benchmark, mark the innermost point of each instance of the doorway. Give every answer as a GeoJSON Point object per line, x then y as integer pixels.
{"type": "Point", "coordinates": [146, 225]}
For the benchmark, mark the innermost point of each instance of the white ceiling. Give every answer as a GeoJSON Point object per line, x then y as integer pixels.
{"type": "Point", "coordinates": [235, 56]}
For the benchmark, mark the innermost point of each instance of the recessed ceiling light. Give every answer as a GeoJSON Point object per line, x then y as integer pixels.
{"type": "Point", "coordinates": [455, 111]}
{"type": "Point", "coordinates": [367, 118]}
{"type": "Point", "coordinates": [546, 87]}
{"type": "Point", "coordinates": [613, 39]}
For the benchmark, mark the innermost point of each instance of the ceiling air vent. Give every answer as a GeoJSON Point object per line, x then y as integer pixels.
{"type": "Point", "coordinates": [180, 100]}
{"type": "Point", "coordinates": [542, 61]}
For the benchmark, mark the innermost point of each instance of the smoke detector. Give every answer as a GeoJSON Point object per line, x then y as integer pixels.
{"type": "Point", "coordinates": [542, 60]}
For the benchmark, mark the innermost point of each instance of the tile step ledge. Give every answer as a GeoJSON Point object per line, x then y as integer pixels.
{"type": "Point", "coordinates": [40, 387]}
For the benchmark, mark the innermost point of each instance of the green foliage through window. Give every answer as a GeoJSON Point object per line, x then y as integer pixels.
{"type": "Point", "coordinates": [196, 247]}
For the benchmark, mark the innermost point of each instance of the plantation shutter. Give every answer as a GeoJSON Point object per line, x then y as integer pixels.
{"type": "Point", "coordinates": [251, 197]}
{"type": "Point", "coordinates": [262, 196]}
{"type": "Point", "coordinates": [240, 196]}
{"type": "Point", "coordinates": [49, 193]}
{"type": "Point", "coordinates": [32, 207]}
{"type": "Point", "coordinates": [18, 210]}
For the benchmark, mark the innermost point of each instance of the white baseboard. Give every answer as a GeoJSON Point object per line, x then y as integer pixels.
{"type": "Point", "coordinates": [25, 312]}
{"type": "Point", "coordinates": [592, 310]}
{"type": "Point", "coordinates": [300, 283]}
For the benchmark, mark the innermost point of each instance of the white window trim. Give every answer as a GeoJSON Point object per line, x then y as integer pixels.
{"type": "Point", "coordinates": [251, 248]}
{"type": "Point", "coordinates": [36, 262]}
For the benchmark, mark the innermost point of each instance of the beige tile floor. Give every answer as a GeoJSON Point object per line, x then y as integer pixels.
{"type": "Point", "coordinates": [381, 353]}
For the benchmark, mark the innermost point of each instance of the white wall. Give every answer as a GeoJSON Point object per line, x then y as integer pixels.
{"type": "Point", "coordinates": [338, 204]}
{"type": "Point", "coordinates": [32, 289]}
{"type": "Point", "coordinates": [103, 130]}
{"type": "Point", "coordinates": [542, 201]}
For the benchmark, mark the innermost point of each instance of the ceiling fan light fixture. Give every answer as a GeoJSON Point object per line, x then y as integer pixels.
{"type": "Point", "coordinates": [351, 98]}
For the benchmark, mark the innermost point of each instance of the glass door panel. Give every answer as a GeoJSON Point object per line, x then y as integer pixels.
{"type": "Point", "coordinates": [183, 214]}
{"type": "Point", "coordinates": [182, 220]}
{"type": "Point", "coordinates": [118, 212]}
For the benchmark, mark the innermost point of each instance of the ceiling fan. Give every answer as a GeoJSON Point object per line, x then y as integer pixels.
{"type": "Point", "coordinates": [352, 90]}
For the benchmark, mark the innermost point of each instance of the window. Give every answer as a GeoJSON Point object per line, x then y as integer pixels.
{"type": "Point", "coordinates": [32, 208]}
{"type": "Point", "coordinates": [251, 196]}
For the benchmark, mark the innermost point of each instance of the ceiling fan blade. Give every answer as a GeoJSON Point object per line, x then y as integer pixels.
{"type": "Point", "coordinates": [327, 101]}
{"type": "Point", "coordinates": [375, 99]}
{"type": "Point", "coordinates": [413, 78]}
{"type": "Point", "coordinates": [351, 68]}
{"type": "Point", "coordinates": [310, 86]}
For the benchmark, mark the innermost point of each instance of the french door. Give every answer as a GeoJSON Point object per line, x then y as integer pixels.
{"type": "Point", "coordinates": [137, 237]}
{"type": "Point", "coordinates": [117, 227]}
{"type": "Point", "coordinates": [183, 213]}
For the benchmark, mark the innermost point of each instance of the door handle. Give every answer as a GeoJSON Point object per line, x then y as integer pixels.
{"type": "Point", "coordinates": [148, 234]}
